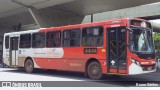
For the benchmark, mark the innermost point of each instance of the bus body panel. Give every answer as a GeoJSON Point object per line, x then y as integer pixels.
{"type": "Point", "coordinates": [75, 58]}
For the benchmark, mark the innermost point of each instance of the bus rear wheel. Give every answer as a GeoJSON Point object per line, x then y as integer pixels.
{"type": "Point", "coordinates": [94, 70]}
{"type": "Point", "coordinates": [29, 66]}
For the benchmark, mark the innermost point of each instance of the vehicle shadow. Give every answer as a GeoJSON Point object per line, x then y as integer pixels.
{"type": "Point", "coordinates": [124, 81]}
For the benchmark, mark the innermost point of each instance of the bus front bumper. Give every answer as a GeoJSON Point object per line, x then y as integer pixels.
{"type": "Point", "coordinates": [136, 69]}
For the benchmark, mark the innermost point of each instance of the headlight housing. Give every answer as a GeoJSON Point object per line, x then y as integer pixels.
{"type": "Point", "coordinates": [135, 62]}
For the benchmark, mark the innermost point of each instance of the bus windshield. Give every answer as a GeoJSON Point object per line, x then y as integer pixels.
{"type": "Point", "coordinates": [141, 40]}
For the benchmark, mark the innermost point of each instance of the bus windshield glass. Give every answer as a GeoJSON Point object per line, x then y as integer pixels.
{"type": "Point", "coordinates": [140, 40]}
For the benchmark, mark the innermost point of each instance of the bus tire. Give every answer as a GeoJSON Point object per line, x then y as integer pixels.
{"type": "Point", "coordinates": [94, 70]}
{"type": "Point", "coordinates": [29, 66]}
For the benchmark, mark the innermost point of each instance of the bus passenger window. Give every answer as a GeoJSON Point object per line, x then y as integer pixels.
{"type": "Point", "coordinates": [38, 40]}
{"type": "Point", "coordinates": [53, 39]}
{"type": "Point", "coordinates": [92, 36]}
{"type": "Point", "coordinates": [7, 42]}
{"type": "Point", "coordinates": [71, 38]}
{"type": "Point", "coordinates": [25, 41]}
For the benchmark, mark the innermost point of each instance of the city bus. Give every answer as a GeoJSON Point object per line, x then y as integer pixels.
{"type": "Point", "coordinates": [118, 47]}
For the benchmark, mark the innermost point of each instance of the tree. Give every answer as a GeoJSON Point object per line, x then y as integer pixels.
{"type": "Point", "coordinates": [156, 38]}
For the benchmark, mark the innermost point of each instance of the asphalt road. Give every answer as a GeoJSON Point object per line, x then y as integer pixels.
{"type": "Point", "coordinates": [7, 74]}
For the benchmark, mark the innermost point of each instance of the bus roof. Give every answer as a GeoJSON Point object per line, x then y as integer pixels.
{"type": "Point", "coordinates": [22, 32]}
{"type": "Point", "coordinates": [82, 25]}
{"type": "Point", "coordinates": [68, 26]}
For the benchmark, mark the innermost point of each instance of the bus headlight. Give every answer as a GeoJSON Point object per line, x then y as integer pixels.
{"type": "Point", "coordinates": [135, 62]}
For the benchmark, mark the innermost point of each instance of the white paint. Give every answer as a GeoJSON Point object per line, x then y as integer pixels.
{"type": "Point", "coordinates": [30, 52]}
{"type": "Point", "coordinates": [42, 52]}
{"type": "Point", "coordinates": [48, 53]}
{"type": "Point", "coordinates": [13, 58]}
{"type": "Point", "coordinates": [135, 69]}
{"type": "Point", "coordinates": [113, 62]}
{"type": "Point", "coordinates": [14, 34]}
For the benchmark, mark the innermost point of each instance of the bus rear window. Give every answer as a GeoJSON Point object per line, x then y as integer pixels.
{"type": "Point", "coordinates": [7, 42]}
{"type": "Point", "coordinates": [25, 41]}
{"type": "Point", "coordinates": [92, 36]}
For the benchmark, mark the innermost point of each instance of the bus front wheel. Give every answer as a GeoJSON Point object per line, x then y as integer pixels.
{"type": "Point", "coordinates": [29, 66]}
{"type": "Point", "coordinates": [94, 70]}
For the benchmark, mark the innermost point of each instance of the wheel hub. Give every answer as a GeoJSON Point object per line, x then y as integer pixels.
{"type": "Point", "coordinates": [95, 69]}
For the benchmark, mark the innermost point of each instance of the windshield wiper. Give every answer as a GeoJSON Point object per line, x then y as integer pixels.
{"type": "Point", "coordinates": [141, 28]}
{"type": "Point", "coordinates": [130, 29]}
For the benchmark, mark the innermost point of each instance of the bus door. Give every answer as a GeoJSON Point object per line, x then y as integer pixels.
{"type": "Point", "coordinates": [14, 51]}
{"type": "Point", "coordinates": [116, 50]}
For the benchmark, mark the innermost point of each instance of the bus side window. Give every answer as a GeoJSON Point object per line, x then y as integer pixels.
{"type": "Point", "coordinates": [7, 42]}
{"type": "Point", "coordinates": [25, 41]}
{"type": "Point", "coordinates": [92, 36]}
{"type": "Point", "coordinates": [53, 39]}
{"type": "Point", "coordinates": [38, 40]}
{"type": "Point", "coordinates": [71, 38]}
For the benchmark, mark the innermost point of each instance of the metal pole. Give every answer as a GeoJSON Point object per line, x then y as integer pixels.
{"type": "Point", "coordinates": [91, 17]}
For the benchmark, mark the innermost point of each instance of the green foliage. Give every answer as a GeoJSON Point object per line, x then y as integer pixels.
{"type": "Point", "coordinates": [156, 38]}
